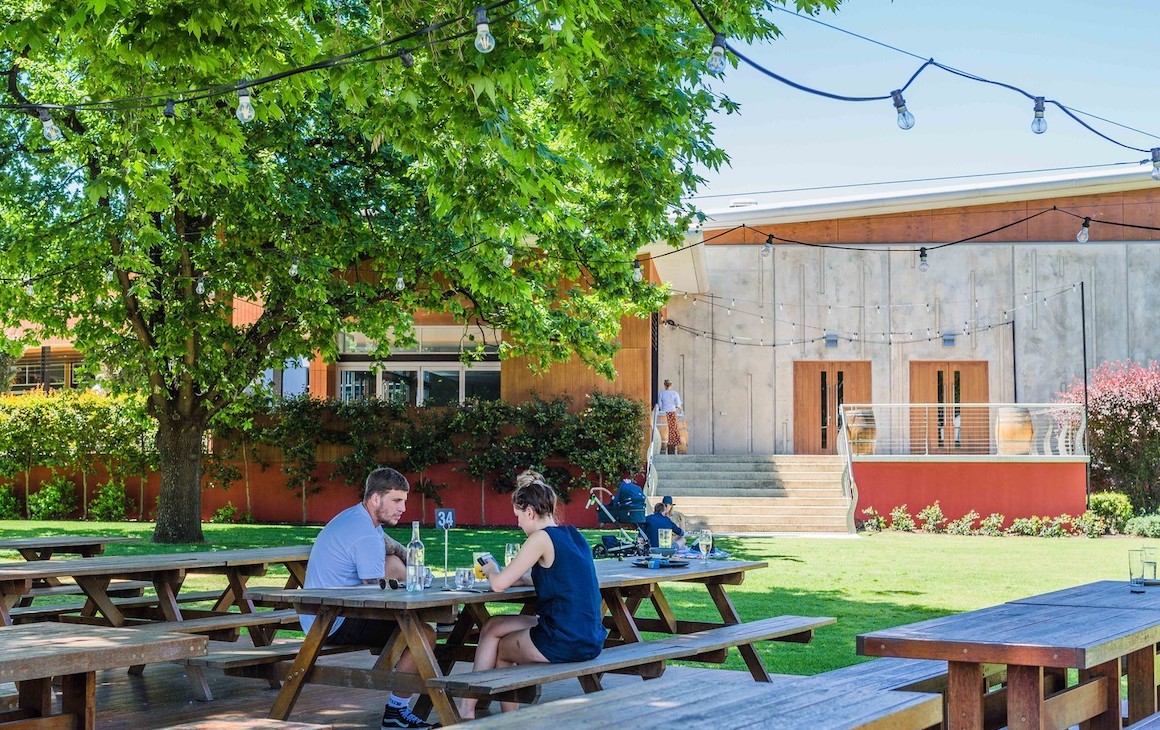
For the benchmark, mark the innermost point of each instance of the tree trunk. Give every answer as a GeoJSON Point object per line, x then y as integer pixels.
{"type": "Point", "coordinates": [179, 452]}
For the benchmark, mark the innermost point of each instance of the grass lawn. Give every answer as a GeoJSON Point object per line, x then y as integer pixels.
{"type": "Point", "coordinates": [868, 582]}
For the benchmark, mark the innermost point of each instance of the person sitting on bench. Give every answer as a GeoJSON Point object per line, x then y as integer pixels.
{"type": "Point", "coordinates": [660, 520]}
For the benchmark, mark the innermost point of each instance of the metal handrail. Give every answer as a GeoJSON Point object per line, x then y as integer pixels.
{"type": "Point", "coordinates": [654, 436]}
{"type": "Point", "coordinates": [962, 429]}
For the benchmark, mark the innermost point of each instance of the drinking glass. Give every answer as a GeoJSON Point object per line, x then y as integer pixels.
{"type": "Point", "coordinates": [509, 553]}
{"type": "Point", "coordinates": [464, 578]}
{"type": "Point", "coordinates": [705, 543]}
{"type": "Point", "coordinates": [1136, 571]}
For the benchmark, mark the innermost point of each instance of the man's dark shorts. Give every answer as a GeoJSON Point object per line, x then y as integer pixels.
{"type": "Point", "coordinates": [362, 631]}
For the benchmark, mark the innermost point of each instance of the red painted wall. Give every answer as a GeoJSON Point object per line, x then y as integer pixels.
{"type": "Point", "coordinates": [1011, 488]}
{"type": "Point", "coordinates": [271, 501]}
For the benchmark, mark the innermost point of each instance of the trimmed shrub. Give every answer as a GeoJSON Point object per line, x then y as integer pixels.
{"type": "Point", "coordinates": [931, 517]}
{"type": "Point", "coordinates": [9, 503]}
{"type": "Point", "coordinates": [225, 515]}
{"type": "Point", "coordinates": [110, 504]}
{"type": "Point", "coordinates": [1144, 526]}
{"type": "Point", "coordinates": [901, 520]}
{"type": "Point", "coordinates": [992, 525]}
{"type": "Point", "coordinates": [56, 499]}
{"type": "Point", "coordinates": [874, 522]}
{"type": "Point", "coordinates": [1025, 526]}
{"type": "Point", "coordinates": [964, 525]}
{"type": "Point", "coordinates": [1089, 524]}
{"type": "Point", "coordinates": [1115, 509]}
{"type": "Point", "coordinates": [1056, 526]}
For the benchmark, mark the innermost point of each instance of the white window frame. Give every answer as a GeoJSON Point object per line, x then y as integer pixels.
{"type": "Point", "coordinates": [378, 368]}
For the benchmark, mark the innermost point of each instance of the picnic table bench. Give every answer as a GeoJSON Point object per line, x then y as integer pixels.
{"type": "Point", "coordinates": [32, 654]}
{"type": "Point", "coordinates": [674, 702]}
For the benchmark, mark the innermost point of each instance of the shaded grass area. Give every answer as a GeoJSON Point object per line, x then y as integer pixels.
{"type": "Point", "coordinates": [868, 582]}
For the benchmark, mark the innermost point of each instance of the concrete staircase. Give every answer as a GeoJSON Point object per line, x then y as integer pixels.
{"type": "Point", "coordinates": [755, 493]}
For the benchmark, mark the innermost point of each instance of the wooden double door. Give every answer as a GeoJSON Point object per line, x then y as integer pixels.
{"type": "Point", "coordinates": [820, 387]}
{"type": "Point", "coordinates": [946, 427]}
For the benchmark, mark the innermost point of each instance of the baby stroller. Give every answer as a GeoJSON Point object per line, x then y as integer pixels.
{"type": "Point", "coordinates": [621, 544]}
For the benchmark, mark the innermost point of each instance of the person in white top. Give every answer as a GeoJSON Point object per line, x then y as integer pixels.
{"type": "Point", "coordinates": [670, 405]}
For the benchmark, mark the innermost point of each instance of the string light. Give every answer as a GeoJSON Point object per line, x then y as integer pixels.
{"type": "Point", "coordinates": [637, 271]}
{"type": "Point", "coordinates": [1082, 235]}
{"type": "Point", "coordinates": [767, 247]}
{"type": "Point", "coordinates": [245, 112]}
{"type": "Point", "coordinates": [200, 288]}
{"type": "Point", "coordinates": [484, 40]}
{"type": "Point", "coordinates": [1039, 124]}
{"type": "Point", "coordinates": [400, 285]}
{"type": "Point", "coordinates": [51, 132]}
{"type": "Point", "coordinates": [109, 276]}
{"type": "Point", "coordinates": [716, 62]}
{"type": "Point", "coordinates": [28, 288]}
{"type": "Point", "coordinates": [294, 268]}
{"type": "Point", "coordinates": [905, 118]}
{"type": "Point", "coordinates": [923, 264]}
{"type": "Point", "coordinates": [1156, 164]}
{"type": "Point", "coordinates": [508, 257]}
{"type": "Point", "coordinates": [407, 59]}
{"type": "Point", "coordinates": [170, 109]}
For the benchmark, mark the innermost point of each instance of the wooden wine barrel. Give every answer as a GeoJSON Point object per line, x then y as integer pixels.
{"type": "Point", "coordinates": [1014, 434]}
{"type": "Point", "coordinates": [682, 429]}
{"type": "Point", "coordinates": [861, 430]}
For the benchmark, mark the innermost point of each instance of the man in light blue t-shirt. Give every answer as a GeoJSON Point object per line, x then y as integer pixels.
{"type": "Point", "coordinates": [352, 550]}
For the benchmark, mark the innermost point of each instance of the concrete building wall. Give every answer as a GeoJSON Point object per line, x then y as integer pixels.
{"type": "Point", "coordinates": [1009, 304]}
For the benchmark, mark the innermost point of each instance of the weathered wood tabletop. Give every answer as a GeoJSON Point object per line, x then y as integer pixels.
{"type": "Point", "coordinates": [1030, 638]}
{"type": "Point", "coordinates": [43, 548]}
{"type": "Point", "coordinates": [1101, 594]}
{"type": "Point", "coordinates": [32, 654]}
{"type": "Point", "coordinates": [672, 702]}
{"type": "Point", "coordinates": [624, 588]}
{"type": "Point", "coordinates": [166, 571]}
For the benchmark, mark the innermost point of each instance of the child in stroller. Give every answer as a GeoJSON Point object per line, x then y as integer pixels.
{"type": "Point", "coordinates": [627, 507]}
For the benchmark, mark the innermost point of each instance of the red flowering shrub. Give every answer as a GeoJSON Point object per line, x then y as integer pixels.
{"type": "Point", "coordinates": [1123, 429]}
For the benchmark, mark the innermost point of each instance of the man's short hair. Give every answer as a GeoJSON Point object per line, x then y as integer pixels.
{"type": "Point", "coordinates": [658, 508]}
{"type": "Point", "coordinates": [383, 480]}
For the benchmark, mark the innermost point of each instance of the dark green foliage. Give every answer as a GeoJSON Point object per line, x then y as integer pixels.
{"type": "Point", "coordinates": [56, 499]}
{"type": "Point", "coordinates": [1113, 507]}
{"type": "Point", "coordinates": [111, 504]}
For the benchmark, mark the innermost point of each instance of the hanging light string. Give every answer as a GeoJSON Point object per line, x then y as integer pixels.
{"type": "Point", "coordinates": [888, 338]}
{"type": "Point", "coordinates": [972, 322]}
{"type": "Point", "coordinates": [170, 99]}
{"type": "Point", "coordinates": [708, 296]}
{"type": "Point", "coordinates": [905, 118]}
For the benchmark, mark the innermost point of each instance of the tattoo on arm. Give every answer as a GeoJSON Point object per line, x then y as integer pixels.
{"type": "Point", "coordinates": [394, 547]}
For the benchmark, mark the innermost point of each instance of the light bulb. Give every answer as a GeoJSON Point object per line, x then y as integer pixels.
{"type": "Point", "coordinates": [245, 112]}
{"type": "Point", "coordinates": [767, 249]}
{"type": "Point", "coordinates": [170, 110]}
{"type": "Point", "coordinates": [400, 285]}
{"type": "Point", "coordinates": [923, 264]}
{"type": "Point", "coordinates": [716, 62]}
{"type": "Point", "coordinates": [28, 289]}
{"type": "Point", "coordinates": [637, 271]}
{"type": "Point", "coordinates": [484, 40]}
{"type": "Point", "coordinates": [109, 276]}
{"type": "Point", "coordinates": [51, 132]}
{"type": "Point", "coordinates": [905, 118]}
{"type": "Point", "coordinates": [294, 268]}
{"type": "Point", "coordinates": [1156, 163]}
{"type": "Point", "coordinates": [407, 59]}
{"type": "Point", "coordinates": [1039, 124]}
{"type": "Point", "coordinates": [200, 288]}
{"type": "Point", "coordinates": [1082, 236]}
{"type": "Point", "coordinates": [508, 258]}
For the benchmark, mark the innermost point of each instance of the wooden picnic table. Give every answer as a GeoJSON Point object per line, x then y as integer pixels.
{"type": "Point", "coordinates": [623, 587]}
{"type": "Point", "coordinates": [32, 654]}
{"type": "Point", "coordinates": [691, 701]}
{"type": "Point", "coordinates": [43, 548]}
{"type": "Point", "coordinates": [165, 571]}
{"type": "Point", "coordinates": [1036, 642]}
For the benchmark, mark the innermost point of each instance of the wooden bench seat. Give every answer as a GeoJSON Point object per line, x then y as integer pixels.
{"type": "Point", "coordinates": [912, 675]}
{"type": "Point", "coordinates": [646, 658]}
{"type": "Point", "coordinates": [1152, 722]}
{"type": "Point", "coordinates": [235, 659]}
{"type": "Point", "coordinates": [116, 588]}
{"type": "Point", "coordinates": [226, 623]}
{"type": "Point", "coordinates": [236, 722]}
{"type": "Point", "coordinates": [53, 612]}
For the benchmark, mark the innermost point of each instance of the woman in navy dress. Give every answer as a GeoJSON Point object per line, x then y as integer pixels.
{"type": "Point", "coordinates": [558, 562]}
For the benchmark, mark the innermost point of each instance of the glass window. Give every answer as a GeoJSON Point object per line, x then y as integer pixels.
{"type": "Point", "coordinates": [441, 387]}
{"type": "Point", "coordinates": [482, 384]}
{"type": "Point", "coordinates": [354, 343]}
{"type": "Point", "coordinates": [355, 384]}
{"type": "Point", "coordinates": [401, 385]}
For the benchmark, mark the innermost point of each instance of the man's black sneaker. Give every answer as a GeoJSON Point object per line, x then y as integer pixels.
{"type": "Point", "coordinates": [394, 717]}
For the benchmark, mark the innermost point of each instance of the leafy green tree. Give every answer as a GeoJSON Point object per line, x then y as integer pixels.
{"type": "Point", "coordinates": [137, 233]}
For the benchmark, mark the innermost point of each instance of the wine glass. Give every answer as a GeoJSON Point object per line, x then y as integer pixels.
{"type": "Point", "coordinates": [509, 553]}
{"type": "Point", "coordinates": [464, 578]}
{"type": "Point", "coordinates": [705, 543]}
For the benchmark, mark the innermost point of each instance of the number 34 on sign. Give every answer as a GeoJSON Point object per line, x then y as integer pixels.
{"type": "Point", "coordinates": [444, 519]}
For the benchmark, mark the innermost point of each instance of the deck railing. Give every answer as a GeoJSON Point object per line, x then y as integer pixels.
{"type": "Point", "coordinates": [963, 429]}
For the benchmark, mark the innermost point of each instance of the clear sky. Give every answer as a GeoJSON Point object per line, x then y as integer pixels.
{"type": "Point", "coordinates": [1099, 57]}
